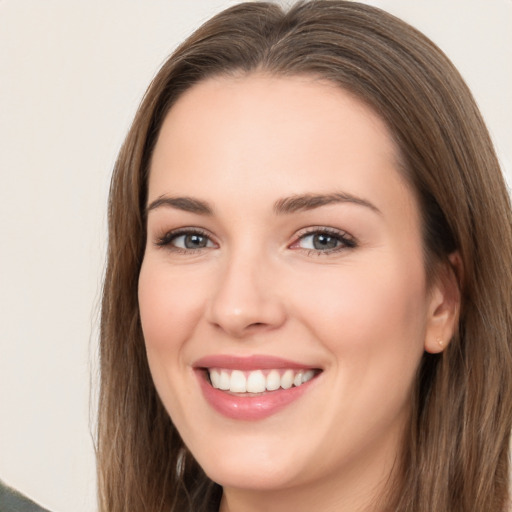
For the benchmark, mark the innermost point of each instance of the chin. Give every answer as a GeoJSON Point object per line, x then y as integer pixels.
{"type": "Point", "coordinates": [248, 476]}
{"type": "Point", "coordinates": [252, 462]}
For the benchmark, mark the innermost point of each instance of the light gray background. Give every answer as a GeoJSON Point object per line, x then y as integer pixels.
{"type": "Point", "coordinates": [71, 76]}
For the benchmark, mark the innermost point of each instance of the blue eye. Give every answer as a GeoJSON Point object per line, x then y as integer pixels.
{"type": "Point", "coordinates": [185, 241]}
{"type": "Point", "coordinates": [325, 241]}
{"type": "Point", "coordinates": [320, 242]}
{"type": "Point", "coordinates": [191, 241]}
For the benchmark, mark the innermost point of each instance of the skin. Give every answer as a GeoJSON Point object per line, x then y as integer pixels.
{"type": "Point", "coordinates": [363, 313]}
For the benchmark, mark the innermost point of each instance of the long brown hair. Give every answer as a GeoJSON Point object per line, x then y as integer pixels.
{"type": "Point", "coordinates": [455, 455]}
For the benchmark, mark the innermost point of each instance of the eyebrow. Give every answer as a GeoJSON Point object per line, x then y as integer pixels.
{"type": "Point", "coordinates": [304, 202]}
{"type": "Point", "coordinates": [187, 204]}
{"type": "Point", "coordinates": [284, 206]}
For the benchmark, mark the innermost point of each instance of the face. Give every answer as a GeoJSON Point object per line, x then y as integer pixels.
{"type": "Point", "coordinates": [283, 294]}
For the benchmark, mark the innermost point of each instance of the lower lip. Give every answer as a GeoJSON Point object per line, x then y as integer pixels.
{"type": "Point", "coordinates": [250, 408]}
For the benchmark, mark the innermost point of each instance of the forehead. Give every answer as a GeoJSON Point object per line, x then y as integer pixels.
{"type": "Point", "coordinates": [257, 135]}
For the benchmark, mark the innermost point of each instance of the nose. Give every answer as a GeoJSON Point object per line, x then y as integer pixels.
{"type": "Point", "coordinates": [246, 298]}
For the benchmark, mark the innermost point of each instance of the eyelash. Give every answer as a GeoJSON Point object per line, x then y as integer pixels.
{"type": "Point", "coordinates": [169, 237]}
{"type": "Point", "coordinates": [345, 240]}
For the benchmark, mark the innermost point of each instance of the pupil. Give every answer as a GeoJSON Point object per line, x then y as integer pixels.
{"type": "Point", "coordinates": [195, 241]}
{"type": "Point", "coordinates": [324, 242]}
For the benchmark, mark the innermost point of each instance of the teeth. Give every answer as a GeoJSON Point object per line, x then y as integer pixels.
{"type": "Point", "coordinates": [287, 379]}
{"type": "Point", "coordinates": [215, 378]}
{"type": "Point", "coordinates": [273, 380]}
{"type": "Point", "coordinates": [308, 376]}
{"type": "Point", "coordinates": [256, 382]}
{"type": "Point", "coordinates": [224, 381]}
{"type": "Point", "coordinates": [237, 381]}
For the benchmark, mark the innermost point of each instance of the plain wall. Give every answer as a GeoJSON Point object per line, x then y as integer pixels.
{"type": "Point", "coordinates": [71, 76]}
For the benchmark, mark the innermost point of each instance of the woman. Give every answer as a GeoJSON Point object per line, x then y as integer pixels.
{"type": "Point", "coordinates": [307, 298]}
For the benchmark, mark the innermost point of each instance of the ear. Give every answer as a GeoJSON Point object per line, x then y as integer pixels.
{"type": "Point", "coordinates": [444, 305]}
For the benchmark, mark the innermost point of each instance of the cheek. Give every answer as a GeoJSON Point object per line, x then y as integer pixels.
{"type": "Point", "coordinates": [170, 305]}
{"type": "Point", "coordinates": [366, 310]}
{"type": "Point", "coordinates": [170, 308]}
{"type": "Point", "coordinates": [372, 321]}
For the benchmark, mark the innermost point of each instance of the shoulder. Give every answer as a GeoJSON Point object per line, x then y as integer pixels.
{"type": "Point", "coordinates": [13, 501]}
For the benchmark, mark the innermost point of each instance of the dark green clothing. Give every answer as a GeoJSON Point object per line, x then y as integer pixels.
{"type": "Point", "coordinates": [13, 501]}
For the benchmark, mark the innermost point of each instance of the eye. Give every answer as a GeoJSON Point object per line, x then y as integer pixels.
{"type": "Point", "coordinates": [324, 240]}
{"type": "Point", "coordinates": [185, 240]}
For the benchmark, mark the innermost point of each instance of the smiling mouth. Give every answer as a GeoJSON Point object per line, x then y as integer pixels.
{"type": "Point", "coordinates": [258, 381]}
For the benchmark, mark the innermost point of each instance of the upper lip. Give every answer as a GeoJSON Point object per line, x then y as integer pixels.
{"type": "Point", "coordinates": [249, 363]}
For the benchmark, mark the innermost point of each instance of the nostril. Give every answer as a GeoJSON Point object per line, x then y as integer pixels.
{"type": "Point", "coordinates": [257, 326]}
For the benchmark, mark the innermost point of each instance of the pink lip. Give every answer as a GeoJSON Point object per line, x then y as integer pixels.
{"type": "Point", "coordinates": [251, 407]}
{"type": "Point", "coordinates": [256, 362]}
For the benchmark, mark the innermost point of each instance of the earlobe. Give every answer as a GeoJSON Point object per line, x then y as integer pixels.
{"type": "Point", "coordinates": [444, 307]}
{"type": "Point", "coordinates": [435, 346]}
